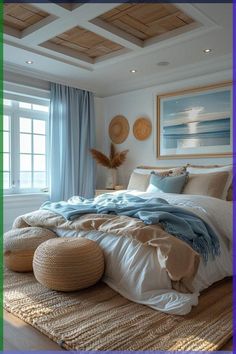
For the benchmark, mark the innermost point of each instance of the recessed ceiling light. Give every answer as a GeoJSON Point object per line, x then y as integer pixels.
{"type": "Point", "coordinates": [163, 63]}
{"type": "Point", "coordinates": [29, 62]}
{"type": "Point", "coordinates": [207, 50]}
{"type": "Point", "coordinates": [133, 71]}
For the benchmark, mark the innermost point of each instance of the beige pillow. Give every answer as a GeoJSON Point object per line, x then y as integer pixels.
{"type": "Point", "coordinates": [194, 169]}
{"type": "Point", "coordinates": [209, 184]}
{"type": "Point", "coordinates": [138, 181]}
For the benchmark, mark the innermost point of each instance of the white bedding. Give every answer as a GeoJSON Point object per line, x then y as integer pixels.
{"type": "Point", "coordinates": [134, 270]}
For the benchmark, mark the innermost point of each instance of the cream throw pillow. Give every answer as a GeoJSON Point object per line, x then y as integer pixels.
{"type": "Point", "coordinates": [194, 169]}
{"type": "Point", "coordinates": [138, 181]}
{"type": "Point", "coordinates": [209, 184]}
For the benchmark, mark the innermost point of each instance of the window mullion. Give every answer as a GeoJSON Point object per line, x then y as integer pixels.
{"type": "Point", "coordinates": [32, 153]}
{"type": "Point", "coordinates": [15, 156]}
{"type": "Point", "coordinates": [48, 153]}
{"type": "Point", "coordinates": [19, 182]}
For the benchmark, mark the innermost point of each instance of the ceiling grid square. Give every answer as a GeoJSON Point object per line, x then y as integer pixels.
{"type": "Point", "coordinates": [87, 42]}
{"type": "Point", "coordinates": [22, 16]}
{"type": "Point", "coordinates": [145, 21]}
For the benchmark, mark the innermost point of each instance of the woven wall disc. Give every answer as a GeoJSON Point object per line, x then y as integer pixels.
{"type": "Point", "coordinates": [142, 128]}
{"type": "Point", "coordinates": [118, 129]}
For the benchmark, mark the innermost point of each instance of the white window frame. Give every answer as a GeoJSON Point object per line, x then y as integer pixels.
{"type": "Point", "coordinates": [15, 112]}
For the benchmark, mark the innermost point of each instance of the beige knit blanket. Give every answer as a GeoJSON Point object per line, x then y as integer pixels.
{"type": "Point", "coordinates": [175, 256]}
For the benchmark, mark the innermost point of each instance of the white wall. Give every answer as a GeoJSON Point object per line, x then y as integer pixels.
{"type": "Point", "coordinates": [143, 103]}
{"type": "Point", "coordinates": [15, 205]}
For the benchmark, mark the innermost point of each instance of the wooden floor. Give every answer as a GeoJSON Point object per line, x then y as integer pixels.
{"type": "Point", "coordinates": [20, 336]}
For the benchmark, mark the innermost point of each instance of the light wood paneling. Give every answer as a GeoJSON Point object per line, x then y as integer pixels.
{"type": "Point", "coordinates": [145, 21]}
{"type": "Point", "coordinates": [21, 16]}
{"type": "Point", "coordinates": [86, 42]}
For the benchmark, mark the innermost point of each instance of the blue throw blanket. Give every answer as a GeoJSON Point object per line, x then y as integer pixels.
{"type": "Point", "coordinates": [175, 220]}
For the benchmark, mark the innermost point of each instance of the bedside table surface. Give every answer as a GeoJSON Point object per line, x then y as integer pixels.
{"type": "Point", "coordinates": [103, 191]}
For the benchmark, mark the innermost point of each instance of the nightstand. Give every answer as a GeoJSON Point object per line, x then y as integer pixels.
{"type": "Point", "coordinates": [103, 191]}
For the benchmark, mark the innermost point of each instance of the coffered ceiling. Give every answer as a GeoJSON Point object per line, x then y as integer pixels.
{"type": "Point", "coordinates": [84, 41]}
{"type": "Point", "coordinates": [22, 16]}
{"type": "Point", "coordinates": [145, 21]}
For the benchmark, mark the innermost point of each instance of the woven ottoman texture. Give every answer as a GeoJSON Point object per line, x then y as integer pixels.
{"type": "Point", "coordinates": [68, 264]}
{"type": "Point", "coordinates": [20, 244]}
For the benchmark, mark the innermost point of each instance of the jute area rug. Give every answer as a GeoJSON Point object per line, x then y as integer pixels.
{"type": "Point", "coordinates": [100, 319]}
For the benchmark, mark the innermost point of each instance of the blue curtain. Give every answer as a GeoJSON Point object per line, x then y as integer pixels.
{"type": "Point", "coordinates": [72, 134]}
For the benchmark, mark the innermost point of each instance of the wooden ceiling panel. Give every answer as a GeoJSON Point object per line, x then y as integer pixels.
{"type": "Point", "coordinates": [86, 42]}
{"type": "Point", "coordinates": [21, 16]}
{"type": "Point", "coordinates": [145, 21]}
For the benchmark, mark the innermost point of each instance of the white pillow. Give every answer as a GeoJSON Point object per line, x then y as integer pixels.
{"type": "Point", "coordinates": [204, 170]}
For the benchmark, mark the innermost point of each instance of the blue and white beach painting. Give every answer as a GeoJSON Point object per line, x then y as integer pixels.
{"type": "Point", "coordinates": [197, 123]}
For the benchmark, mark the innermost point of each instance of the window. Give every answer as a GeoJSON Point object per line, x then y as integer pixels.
{"type": "Point", "coordinates": [25, 144]}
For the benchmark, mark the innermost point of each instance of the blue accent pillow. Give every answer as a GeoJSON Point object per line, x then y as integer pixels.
{"type": "Point", "coordinates": [167, 184]}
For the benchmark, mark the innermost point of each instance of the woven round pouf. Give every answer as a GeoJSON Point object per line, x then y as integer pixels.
{"type": "Point", "coordinates": [68, 264]}
{"type": "Point", "coordinates": [19, 246]}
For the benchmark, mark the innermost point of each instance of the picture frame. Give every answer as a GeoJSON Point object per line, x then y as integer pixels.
{"type": "Point", "coordinates": [195, 123]}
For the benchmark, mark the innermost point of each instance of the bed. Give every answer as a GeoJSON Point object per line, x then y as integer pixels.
{"type": "Point", "coordinates": [138, 270]}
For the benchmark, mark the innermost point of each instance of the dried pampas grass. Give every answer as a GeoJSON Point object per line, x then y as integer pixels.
{"type": "Point", "coordinates": [115, 159]}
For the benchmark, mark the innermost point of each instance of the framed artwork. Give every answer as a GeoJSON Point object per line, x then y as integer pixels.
{"type": "Point", "coordinates": [195, 122]}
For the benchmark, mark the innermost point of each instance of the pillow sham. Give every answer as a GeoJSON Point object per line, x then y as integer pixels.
{"type": "Point", "coordinates": [177, 171]}
{"type": "Point", "coordinates": [167, 184]}
{"type": "Point", "coordinates": [209, 184]}
{"type": "Point", "coordinates": [148, 170]}
{"type": "Point", "coordinates": [194, 169]}
{"type": "Point", "coordinates": [138, 181]}
{"type": "Point", "coordinates": [140, 177]}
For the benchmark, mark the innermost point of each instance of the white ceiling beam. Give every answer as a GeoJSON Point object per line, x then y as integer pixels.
{"type": "Point", "coordinates": [111, 55]}
{"type": "Point", "coordinates": [87, 12]}
{"type": "Point", "coordinates": [159, 42]}
{"type": "Point", "coordinates": [55, 55]}
{"type": "Point", "coordinates": [196, 14]}
{"type": "Point", "coordinates": [80, 16]}
{"type": "Point", "coordinates": [48, 31]}
{"type": "Point", "coordinates": [38, 25]}
{"type": "Point", "coordinates": [174, 33]}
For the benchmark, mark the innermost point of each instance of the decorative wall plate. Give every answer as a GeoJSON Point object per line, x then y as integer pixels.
{"type": "Point", "coordinates": [118, 129]}
{"type": "Point", "coordinates": [142, 128]}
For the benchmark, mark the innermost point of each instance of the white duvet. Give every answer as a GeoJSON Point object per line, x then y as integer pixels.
{"type": "Point", "coordinates": [134, 270]}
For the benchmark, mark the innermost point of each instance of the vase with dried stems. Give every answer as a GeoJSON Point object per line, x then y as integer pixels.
{"type": "Point", "coordinates": [111, 162]}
